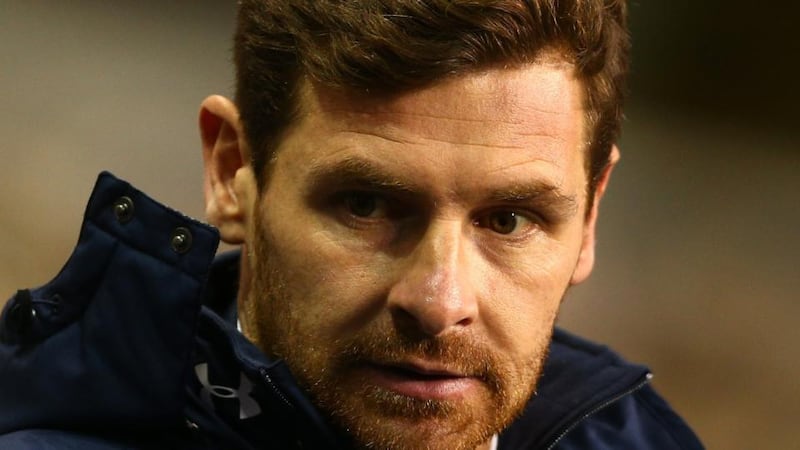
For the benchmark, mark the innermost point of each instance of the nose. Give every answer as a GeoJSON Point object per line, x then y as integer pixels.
{"type": "Point", "coordinates": [434, 293]}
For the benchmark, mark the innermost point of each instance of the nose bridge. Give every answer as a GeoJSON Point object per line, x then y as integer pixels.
{"type": "Point", "coordinates": [434, 288]}
{"type": "Point", "coordinates": [436, 262]}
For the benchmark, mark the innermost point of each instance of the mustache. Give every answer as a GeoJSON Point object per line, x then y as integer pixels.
{"type": "Point", "coordinates": [458, 353]}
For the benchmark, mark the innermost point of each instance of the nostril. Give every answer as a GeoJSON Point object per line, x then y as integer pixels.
{"type": "Point", "coordinates": [466, 321]}
{"type": "Point", "coordinates": [407, 325]}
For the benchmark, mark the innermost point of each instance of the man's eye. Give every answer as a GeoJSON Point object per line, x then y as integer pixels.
{"type": "Point", "coordinates": [361, 204]}
{"type": "Point", "coordinates": [504, 222]}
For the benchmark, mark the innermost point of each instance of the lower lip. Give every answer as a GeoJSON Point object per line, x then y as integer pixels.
{"type": "Point", "coordinates": [438, 388]}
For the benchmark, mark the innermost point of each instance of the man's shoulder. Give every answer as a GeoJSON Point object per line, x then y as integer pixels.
{"type": "Point", "coordinates": [590, 397]}
{"type": "Point", "coordinates": [642, 420]}
{"type": "Point", "coordinates": [45, 439]}
{"type": "Point", "coordinates": [102, 439]}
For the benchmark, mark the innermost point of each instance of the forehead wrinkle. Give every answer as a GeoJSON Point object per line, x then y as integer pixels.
{"type": "Point", "coordinates": [380, 110]}
{"type": "Point", "coordinates": [423, 140]}
{"type": "Point", "coordinates": [522, 124]}
{"type": "Point", "coordinates": [385, 130]}
{"type": "Point", "coordinates": [510, 166]}
{"type": "Point", "coordinates": [375, 134]}
{"type": "Point", "coordinates": [359, 119]}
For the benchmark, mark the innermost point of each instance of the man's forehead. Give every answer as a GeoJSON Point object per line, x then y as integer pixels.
{"type": "Point", "coordinates": [488, 96]}
{"type": "Point", "coordinates": [497, 129]}
{"type": "Point", "coordinates": [533, 107]}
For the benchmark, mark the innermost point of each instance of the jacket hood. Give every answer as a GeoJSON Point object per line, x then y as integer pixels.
{"type": "Point", "coordinates": [103, 342]}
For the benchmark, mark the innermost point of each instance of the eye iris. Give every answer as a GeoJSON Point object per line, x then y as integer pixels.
{"type": "Point", "coordinates": [503, 222]}
{"type": "Point", "coordinates": [361, 205]}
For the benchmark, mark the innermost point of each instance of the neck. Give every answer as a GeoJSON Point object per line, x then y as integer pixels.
{"type": "Point", "coordinates": [491, 444]}
{"type": "Point", "coordinates": [244, 313]}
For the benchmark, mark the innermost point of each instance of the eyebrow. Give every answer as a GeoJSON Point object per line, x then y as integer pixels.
{"type": "Point", "coordinates": [542, 194]}
{"type": "Point", "coordinates": [358, 172]}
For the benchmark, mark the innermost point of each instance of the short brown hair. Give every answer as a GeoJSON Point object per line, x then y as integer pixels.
{"type": "Point", "coordinates": [391, 46]}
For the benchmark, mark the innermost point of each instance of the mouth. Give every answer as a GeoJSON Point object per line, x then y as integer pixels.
{"type": "Point", "coordinates": [421, 380]}
{"type": "Point", "coordinates": [423, 371]}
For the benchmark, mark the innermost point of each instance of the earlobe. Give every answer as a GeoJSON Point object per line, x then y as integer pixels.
{"type": "Point", "coordinates": [225, 159]}
{"type": "Point", "coordinates": [585, 263]}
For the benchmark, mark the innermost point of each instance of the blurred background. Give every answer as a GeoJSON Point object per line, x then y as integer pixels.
{"type": "Point", "coordinates": [697, 273]}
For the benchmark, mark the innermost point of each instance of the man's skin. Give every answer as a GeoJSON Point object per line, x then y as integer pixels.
{"type": "Point", "coordinates": [408, 257]}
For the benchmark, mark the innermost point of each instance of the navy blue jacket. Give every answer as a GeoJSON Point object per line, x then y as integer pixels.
{"type": "Point", "coordinates": [134, 345]}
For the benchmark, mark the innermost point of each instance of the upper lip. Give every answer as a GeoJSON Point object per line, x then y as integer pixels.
{"type": "Point", "coordinates": [425, 368]}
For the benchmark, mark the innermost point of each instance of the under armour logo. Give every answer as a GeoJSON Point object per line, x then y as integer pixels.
{"type": "Point", "coordinates": [248, 407]}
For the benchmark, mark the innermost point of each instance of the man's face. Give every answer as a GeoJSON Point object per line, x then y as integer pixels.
{"type": "Point", "coordinates": [409, 256]}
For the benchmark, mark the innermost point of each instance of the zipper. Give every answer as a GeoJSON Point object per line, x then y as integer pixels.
{"type": "Point", "coordinates": [642, 383]}
{"type": "Point", "coordinates": [299, 442]}
{"type": "Point", "coordinates": [268, 379]}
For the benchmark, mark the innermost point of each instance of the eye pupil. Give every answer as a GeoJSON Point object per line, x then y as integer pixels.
{"type": "Point", "coordinates": [362, 205]}
{"type": "Point", "coordinates": [503, 222]}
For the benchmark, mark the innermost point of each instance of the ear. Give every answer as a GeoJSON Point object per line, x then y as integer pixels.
{"type": "Point", "coordinates": [586, 257]}
{"type": "Point", "coordinates": [229, 185]}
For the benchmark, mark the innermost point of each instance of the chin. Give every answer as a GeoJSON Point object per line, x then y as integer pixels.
{"type": "Point", "coordinates": [376, 418]}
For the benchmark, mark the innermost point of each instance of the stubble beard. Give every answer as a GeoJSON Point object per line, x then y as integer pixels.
{"type": "Point", "coordinates": [370, 416]}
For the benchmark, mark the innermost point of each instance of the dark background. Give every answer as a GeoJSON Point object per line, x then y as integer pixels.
{"type": "Point", "coordinates": [697, 271]}
{"type": "Point", "coordinates": [733, 60]}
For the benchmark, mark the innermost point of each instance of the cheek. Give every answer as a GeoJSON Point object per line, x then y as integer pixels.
{"type": "Point", "coordinates": [521, 302]}
{"type": "Point", "coordinates": [521, 321]}
{"type": "Point", "coordinates": [334, 290]}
